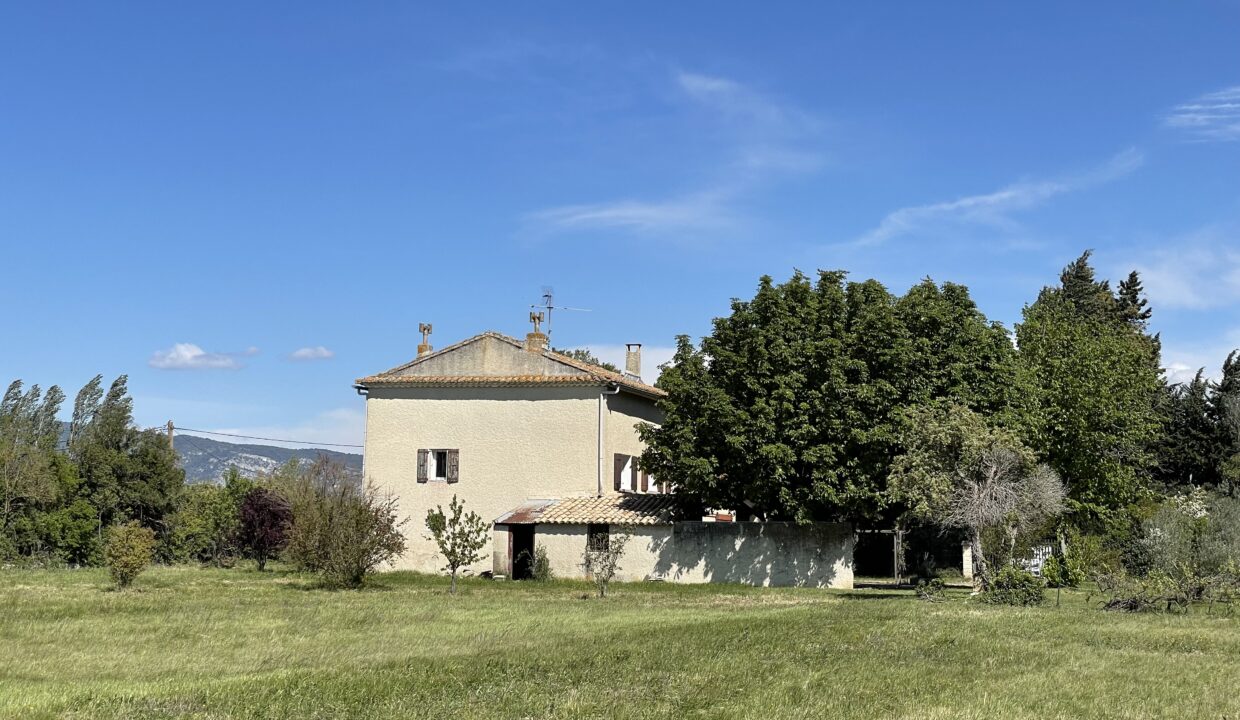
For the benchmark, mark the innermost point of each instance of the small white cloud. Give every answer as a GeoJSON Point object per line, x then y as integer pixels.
{"type": "Point", "coordinates": [188, 356]}
{"type": "Point", "coordinates": [1211, 117]}
{"type": "Point", "coordinates": [1182, 361]}
{"type": "Point", "coordinates": [317, 352]}
{"type": "Point", "coordinates": [996, 208]}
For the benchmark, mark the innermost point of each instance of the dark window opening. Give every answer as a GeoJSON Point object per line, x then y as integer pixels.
{"type": "Point", "coordinates": [598, 536]}
{"type": "Point", "coordinates": [441, 464]}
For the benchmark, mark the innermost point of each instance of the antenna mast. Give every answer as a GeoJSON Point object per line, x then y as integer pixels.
{"type": "Point", "coordinates": [548, 304]}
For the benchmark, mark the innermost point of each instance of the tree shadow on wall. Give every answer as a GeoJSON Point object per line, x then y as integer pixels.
{"type": "Point", "coordinates": [760, 554]}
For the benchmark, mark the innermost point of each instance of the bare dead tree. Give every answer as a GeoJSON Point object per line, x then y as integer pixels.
{"type": "Point", "coordinates": [1002, 491]}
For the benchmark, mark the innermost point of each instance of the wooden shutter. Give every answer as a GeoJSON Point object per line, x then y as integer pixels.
{"type": "Point", "coordinates": [619, 474]}
{"type": "Point", "coordinates": [634, 476]}
{"type": "Point", "coordinates": [423, 462]}
{"type": "Point", "coordinates": [645, 481]}
{"type": "Point", "coordinates": [454, 466]}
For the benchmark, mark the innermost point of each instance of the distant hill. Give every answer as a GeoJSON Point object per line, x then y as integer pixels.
{"type": "Point", "coordinates": [206, 460]}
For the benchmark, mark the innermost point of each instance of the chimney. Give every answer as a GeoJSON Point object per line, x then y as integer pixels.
{"type": "Point", "coordinates": [425, 347]}
{"type": "Point", "coordinates": [633, 360]}
{"type": "Point", "coordinates": [536, 341]}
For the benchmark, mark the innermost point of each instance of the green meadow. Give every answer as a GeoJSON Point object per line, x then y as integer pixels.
{"type": "Point", "coordinates": [195, 643]}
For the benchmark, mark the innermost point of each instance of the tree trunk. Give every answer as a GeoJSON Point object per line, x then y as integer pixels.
{"type": "Point", "coordinates": [981, 574]}
{"type": "Point", "coordinates": [452, 590]}
{"type": "Point", "coordinates": [261, 560]}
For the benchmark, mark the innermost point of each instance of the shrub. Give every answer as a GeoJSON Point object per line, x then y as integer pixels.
{"type": "Point", "coordinates": [931, 590]}
{"type": "Point", "coordinates": [1059, 573]}
{"type": "Point", "coordinates": [1014, 586]}
{"type": "Point", "coordinates": [73, 533]}
{"type": "Point", "coordinates": [1190, 545]}
{"type": "Point", "coordinates": [352, 533]}
{"type": "Point", "coordinates": [461, 536]}
{"type": "Point", "coordinates": [203, 528]}
{"type": "Point", "coordinates": [540, 564]}
{"type": "Point", "coordinates": [602, 557]}
{"type": "Point", "coordinates": [264, 518]}
{"type": "Point", "coordinates": [340, 530]}
{"type": "Point", "coordinates": [129, 550]}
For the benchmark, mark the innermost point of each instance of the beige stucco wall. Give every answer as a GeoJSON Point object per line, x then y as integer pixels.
{"type": "Point", "coordinates": [767, 554]}
{"type": "Point", "coordinates": [515, 443]}
{"type": "Point", "coordinates": [623, 413]}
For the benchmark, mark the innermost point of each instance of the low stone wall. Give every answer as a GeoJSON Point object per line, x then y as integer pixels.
{"type": "Point", "coordinates": [764, 554]}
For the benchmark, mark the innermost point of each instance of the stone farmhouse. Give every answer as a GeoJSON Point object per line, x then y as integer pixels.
{"type": "Point", "coordinates": [546, 448]}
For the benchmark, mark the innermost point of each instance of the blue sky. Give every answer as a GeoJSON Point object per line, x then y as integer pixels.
{"type": "Point", "coordinates": [245, 206]}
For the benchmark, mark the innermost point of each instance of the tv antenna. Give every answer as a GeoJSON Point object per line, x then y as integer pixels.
{"type": "Point", "coordinates": [548, 304]}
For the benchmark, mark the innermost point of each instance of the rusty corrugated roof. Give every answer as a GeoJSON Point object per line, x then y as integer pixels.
{"type": "Point", "coordinates": [612, 509]}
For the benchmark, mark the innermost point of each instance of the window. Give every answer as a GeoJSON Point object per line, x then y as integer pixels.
{"type": "Point", "coordinates": [629, 477]}
{"type": "Point", "coordinates": [598, 536]}
{"type": "Point", "coordinates": [439, 466]}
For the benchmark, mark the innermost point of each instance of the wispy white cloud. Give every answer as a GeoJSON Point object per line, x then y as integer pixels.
{"type": "Point", "coordinates": [750, 111]}
{"type": "Point", "coordinates": [316, 352]}
{"type": "Point", "coordinates": [994, 209]}
{"type": "Point", "coordinates": [697, 211]}
{"type": "Point", "coordinates": [760, 138]}
{"type": "Point", "coordinates": [1211, 117]}
{"type": "Point", "coordinates": [188, 356]}
{"type": "Point", "coordinates": [1199, 271]}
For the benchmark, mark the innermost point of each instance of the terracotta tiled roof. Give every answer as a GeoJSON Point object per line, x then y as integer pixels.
{"type": "Point", "coordinates": [475, 380]}
{"type": "Point", "coordinates": [591, 374]}
{"type": "Point", "coordinates": [613, 509]}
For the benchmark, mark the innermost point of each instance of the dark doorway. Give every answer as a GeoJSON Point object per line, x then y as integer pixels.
{"type": "Point", "coordinates": [522, 551]}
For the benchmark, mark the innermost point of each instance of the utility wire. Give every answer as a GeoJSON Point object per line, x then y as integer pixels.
{"type": "Point", "coordinates": [252, 437]}
{"type": "Point", "coordinates": [218, 459]}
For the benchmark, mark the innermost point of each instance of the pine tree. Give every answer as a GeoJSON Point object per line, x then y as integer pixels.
{"type": "Point", "coordinates": [1131, 300]}
{"type": "Point", "coordinates": [1186, 451]}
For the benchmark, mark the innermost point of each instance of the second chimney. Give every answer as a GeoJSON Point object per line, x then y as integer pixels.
{"type": "Point", "coordinates": [633, 360]}
{"type": "Point", "coordinates": [535, 342]}
{"type": "Point", "coordinates": [425, 348]}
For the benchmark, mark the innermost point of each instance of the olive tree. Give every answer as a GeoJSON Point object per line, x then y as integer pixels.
{"type": "Point", "coordinates": [959, 471]}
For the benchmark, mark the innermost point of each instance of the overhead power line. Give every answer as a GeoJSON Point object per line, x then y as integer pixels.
{"type": "Point", "coordinates": [253, 437]}
{"type": "Point", "coordinates": [218, 459]}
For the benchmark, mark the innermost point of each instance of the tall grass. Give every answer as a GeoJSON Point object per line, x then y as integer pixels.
{"type": "Point", "coordinates": [193, 643]}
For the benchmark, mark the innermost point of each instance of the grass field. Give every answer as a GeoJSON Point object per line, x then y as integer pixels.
{"type": "Point", "coordinates": [192, 643]}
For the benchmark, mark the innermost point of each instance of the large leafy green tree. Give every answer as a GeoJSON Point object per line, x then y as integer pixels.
{"type": "Point", "coordinates": [127, 473]}
{"type": "Point", "coordinates": [1097, 384]}
{"type": "Point", "coordinates": [788, 408]}
{"type": "Point", "coordinates": [28, 466]}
